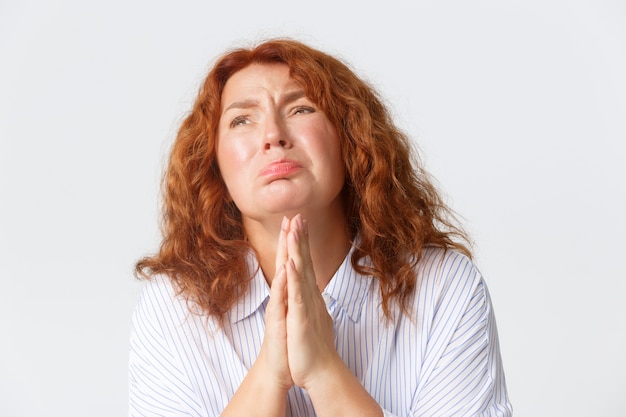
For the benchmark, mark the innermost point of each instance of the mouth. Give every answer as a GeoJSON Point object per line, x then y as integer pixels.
{"type": "Point", "coordinates": [280, 169]}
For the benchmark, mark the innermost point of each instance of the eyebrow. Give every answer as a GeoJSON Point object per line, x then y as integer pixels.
{"type": "Point", "coordinates": [243, 104]}
{"type": "Point", "coordinates": [292, 96]}
{"type": "Point", "coordinates": [249, 103]}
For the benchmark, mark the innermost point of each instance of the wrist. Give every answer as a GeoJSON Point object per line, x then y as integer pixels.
{"type": "Point", "coordinates": [337, 391]}
{"type": "Point", "coordinates": [257, 385]}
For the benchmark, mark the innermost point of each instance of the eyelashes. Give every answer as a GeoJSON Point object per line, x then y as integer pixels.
{"type": "Point", "coordinates": [240, 120]}
{"type": "Point", "coordinates": [303, 110]}
{"type": "Point", "coordinates": [246, 119]}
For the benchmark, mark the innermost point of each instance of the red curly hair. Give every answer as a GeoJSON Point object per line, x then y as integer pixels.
{"type": "Point", "coordinates": [391, 204]}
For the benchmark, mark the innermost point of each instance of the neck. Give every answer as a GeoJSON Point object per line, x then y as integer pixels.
{"type": "Point", "coordinates": [328, 239]}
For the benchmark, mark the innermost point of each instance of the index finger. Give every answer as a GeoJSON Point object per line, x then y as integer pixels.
{"type": "Point", "coordinates": [281, 248]}
{"type": "Point", "coordinates": [299, 250]}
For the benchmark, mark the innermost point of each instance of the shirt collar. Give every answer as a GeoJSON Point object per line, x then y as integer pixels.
{"type": "Point", "coordinates": [257, 293]}
{"type": "Point", "coordinates": [347, 288]}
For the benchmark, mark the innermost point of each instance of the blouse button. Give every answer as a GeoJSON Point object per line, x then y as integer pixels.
{"type": "Point", "coordinates": [327, 299]}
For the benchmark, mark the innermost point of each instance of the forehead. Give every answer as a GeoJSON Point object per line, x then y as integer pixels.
{"type": "Point", "coordinates": [256, 79]}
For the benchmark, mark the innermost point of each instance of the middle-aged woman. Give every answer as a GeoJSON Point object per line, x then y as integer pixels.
{"type": "Point", "coordinates": [308, 266]}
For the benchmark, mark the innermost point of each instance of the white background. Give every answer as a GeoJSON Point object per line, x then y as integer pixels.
{"type": "Point", "coordinates": [519, 109]}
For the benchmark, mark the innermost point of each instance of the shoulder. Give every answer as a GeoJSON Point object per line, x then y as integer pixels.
{"type": "Point", "coordinates": [447, 278]}
{"type": "Point", "coordinates": [158, 294]}
{"type": "Point", "coordinates": [443, 267]}
{"type": "Point", "coordinates": [160, 306]}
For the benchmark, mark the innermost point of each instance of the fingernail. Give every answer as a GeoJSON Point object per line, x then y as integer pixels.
{"type": "Point", "coordinates": [284, 223]}
{"type": "Point", "coordinates": [305, 227]}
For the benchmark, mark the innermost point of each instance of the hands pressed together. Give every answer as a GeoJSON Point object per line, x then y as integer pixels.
{"type": "Point", "coordinates": [299, 335]}
{"type": "Point", "coordinates": [299, 343]}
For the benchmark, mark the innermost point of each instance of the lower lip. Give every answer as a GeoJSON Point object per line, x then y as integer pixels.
{"type": "Point", "coordinates": [279, 170]}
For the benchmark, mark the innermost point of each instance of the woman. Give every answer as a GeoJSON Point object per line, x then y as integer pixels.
{"type": "Point", "coordinates": [307, 267]}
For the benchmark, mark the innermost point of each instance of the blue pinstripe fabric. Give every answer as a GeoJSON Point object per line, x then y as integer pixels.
{"type": "Point", "coordinates": [442, 360]}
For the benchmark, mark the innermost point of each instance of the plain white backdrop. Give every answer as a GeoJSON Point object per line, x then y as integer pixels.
{"type": "Point", "coordinates": [519, 109]}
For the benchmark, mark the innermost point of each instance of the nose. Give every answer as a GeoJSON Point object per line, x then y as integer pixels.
{"type": "Point", "coordinates": [275, 134]}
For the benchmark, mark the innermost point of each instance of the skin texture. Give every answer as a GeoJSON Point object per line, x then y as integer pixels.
{"type": "Point", "coordinates": [280, 158]}
{"type": "Point", "coordinates": [267, 119]}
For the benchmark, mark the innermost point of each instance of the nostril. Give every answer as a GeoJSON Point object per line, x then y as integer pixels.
{"type": "Point", "coordinates": [282, 143]}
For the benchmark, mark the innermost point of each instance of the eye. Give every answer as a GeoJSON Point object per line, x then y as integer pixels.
{"type": "Point", "coordinates": [240, 120]}
{"type": "Point", "coordinates": [303, 110]}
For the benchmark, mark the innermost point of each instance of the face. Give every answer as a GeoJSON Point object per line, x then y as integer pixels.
{"type": "Point", "coordinates": [277, 151]}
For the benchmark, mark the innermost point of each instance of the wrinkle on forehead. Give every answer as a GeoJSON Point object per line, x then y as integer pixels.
{"type": "Point", "coordinates": [264, 78]}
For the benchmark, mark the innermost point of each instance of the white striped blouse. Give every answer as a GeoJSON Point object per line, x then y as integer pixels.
{"type": "Point", "coordinates": [444, 360]}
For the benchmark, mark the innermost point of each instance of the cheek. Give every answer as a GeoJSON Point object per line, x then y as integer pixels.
{"type": "Point", "coordinates": [228, 156]}
{"type": "Point", "coordinates": [331, 149]}
{"type": "Point", "coordinates": [233, 161]}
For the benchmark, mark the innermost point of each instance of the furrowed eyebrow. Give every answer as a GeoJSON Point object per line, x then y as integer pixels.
{"type": "Point", "coordinates": [292, 96]}
{"type": "Point", "coordinates": [244, 104]}
{"type": "Point", "coordinates": [247, 104]}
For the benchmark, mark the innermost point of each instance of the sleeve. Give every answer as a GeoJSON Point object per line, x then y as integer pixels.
{"type": "Point", "coordinates": [462, 373]}
{"type": "Point", "coordinates": [157, 384]}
